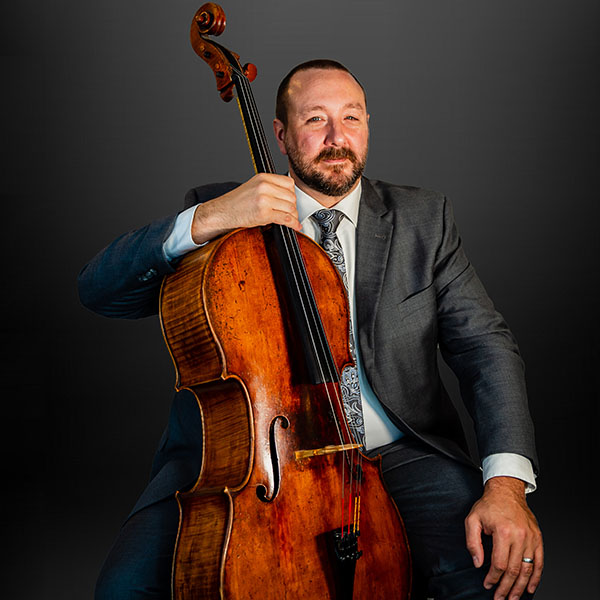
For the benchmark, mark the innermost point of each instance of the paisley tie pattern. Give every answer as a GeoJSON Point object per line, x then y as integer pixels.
{"type": "Point", "coordinates": [328, 221]}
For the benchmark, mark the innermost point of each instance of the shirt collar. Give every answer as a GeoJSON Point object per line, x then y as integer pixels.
{"type": "Point", "coordinates": [348, 205]}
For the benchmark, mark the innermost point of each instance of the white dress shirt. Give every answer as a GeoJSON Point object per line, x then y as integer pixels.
{"type": "Point", "coordinates": [379, 429]}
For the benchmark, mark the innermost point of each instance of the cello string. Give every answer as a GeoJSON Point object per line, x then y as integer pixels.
{"type": "Point", "coordinates": [256, 124]}
{"type": "Point", "coordinates": [355, 486]}
{"type": "Point", "coordinates": [303, 289]}
{"type": "Point", "coordinates": [292, 244]}
{"type": "Point", "coordinates": [300, 265]}
{"type": "Point", "coordinates": [294, 255]}
{"type": "Point", "coordinates": [355, 457]}
{"type": "Point", "coordinates": [346, 456]}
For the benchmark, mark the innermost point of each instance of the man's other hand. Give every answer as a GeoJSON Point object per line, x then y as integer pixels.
{"type": "Point", "coordinates": [502, 512]}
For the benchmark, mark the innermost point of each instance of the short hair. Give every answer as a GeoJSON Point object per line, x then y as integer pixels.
{"type": "Point", "coordinates": [281, 104]}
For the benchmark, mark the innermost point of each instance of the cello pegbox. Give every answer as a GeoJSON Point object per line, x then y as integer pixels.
{"type": "Point", "coordinates": [210, 20]}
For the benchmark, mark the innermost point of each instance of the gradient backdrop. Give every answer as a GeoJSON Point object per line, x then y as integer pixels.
{"type": "Point", "coordinates": [109, 117]}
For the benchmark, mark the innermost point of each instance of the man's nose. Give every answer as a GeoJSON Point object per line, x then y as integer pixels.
{"type": "Point", "coordinates": [335, 134]}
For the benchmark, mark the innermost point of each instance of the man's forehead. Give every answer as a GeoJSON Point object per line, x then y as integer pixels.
{"type": "Point", "coordinates": [314, 77]}
{"type": "Point", "coordinates": [312, 89]}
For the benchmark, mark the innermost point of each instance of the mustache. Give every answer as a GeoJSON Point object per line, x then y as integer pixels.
{"type": "Point", "coordinates": [336, 153]}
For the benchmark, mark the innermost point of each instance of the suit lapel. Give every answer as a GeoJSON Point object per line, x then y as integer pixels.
{"type": "Point", "coordinates": [373, 239]}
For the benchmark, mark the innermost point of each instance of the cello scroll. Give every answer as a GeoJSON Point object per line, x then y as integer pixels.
{"type": "Point", "coordinates": [210, 20]}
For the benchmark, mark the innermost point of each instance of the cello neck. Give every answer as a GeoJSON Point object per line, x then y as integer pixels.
{"type": "Point", "coordinates": [287, 258]}
{"type": "Point", "coordinates": [255, 133]}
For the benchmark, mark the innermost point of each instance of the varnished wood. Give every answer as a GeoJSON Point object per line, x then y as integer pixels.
{"type": "Point", "coordinates": [184, 322]}
{"type": "Point", "coordinates": [241, 545]}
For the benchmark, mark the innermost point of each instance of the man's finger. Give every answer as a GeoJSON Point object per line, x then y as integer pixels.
{"type": "Point", "coordinates": [287, 219]}
{"type": "Point", "coordinates": [524, 571]}
{"type": "Point", "coordinates": [473, 530]}
{"type": "Point", "coordinates": [500, 556]}
{"type": "Point", "coordinates": [538, 567]}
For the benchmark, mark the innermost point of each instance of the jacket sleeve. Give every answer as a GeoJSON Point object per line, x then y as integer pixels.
{"type": "Point", "coordinates": [123, 280]}
{"type": "Point", "coordinates": [477, 344]}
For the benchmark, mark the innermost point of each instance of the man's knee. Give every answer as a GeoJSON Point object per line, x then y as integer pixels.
{"type": "Point", "coordinates": [124, 579]}
{"type": "Point", "coordinates": [117, 582]}
{"type": "Point", "coordinates": [139, 564]}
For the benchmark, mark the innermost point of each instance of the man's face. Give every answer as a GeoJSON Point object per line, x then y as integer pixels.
{"type": "Point", "coordinates": [327, 135]}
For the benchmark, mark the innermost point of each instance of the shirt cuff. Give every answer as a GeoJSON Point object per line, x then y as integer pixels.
{"type": "Point", "coordinates": [180, 240]}
{"type": "Point", "coordinates": [506, 464]}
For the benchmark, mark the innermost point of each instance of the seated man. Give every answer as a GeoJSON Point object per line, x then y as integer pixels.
{"type": "Point", "coordinates": [411, 290]}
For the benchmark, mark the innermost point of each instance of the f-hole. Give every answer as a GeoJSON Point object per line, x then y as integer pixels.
{"type": "Point", "coordinates": [261, 490]}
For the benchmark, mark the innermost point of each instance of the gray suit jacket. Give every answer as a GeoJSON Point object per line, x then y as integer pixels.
{"type": "Point", "coordinates": [415, 291]}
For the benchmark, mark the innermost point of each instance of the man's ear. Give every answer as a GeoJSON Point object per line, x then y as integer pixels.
{"type": "Point", "coordinates": [279, 130]}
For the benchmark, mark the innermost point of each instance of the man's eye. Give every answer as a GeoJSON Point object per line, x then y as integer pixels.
{"type": "Point", "coordinates": [314, 119]}
{"type": "Point", "coordinates": [351, 118]}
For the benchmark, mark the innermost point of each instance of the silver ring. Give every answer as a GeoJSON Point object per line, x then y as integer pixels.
{"type": "Point", "coordinates": [527, 560]}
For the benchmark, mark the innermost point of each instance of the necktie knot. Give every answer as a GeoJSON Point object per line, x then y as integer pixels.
{"type": "Point", "coordinates": [328, 220]}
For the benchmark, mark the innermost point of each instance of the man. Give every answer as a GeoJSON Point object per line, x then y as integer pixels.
{"type": "Point", "coordinates": [411, 289]}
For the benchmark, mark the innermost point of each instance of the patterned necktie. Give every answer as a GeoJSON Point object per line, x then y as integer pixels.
{"type": "Point", "coordinates": [328, 221]}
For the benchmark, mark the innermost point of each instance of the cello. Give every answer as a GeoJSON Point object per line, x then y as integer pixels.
{"type": "Point", "coordinates": [286, 505]}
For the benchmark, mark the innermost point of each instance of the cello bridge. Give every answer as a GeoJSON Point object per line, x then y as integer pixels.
{"type": "Point", "coordinates": [301, 454]}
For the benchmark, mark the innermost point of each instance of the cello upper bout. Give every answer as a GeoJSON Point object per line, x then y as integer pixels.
{"type": "Point", "coordinates": [185, 324]}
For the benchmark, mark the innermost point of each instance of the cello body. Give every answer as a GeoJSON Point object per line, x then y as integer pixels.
{"type": "Point", "coordinates": [258, 521]}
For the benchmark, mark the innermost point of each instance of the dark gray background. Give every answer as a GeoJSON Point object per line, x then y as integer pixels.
{"type": "Point", "coordinates": [109, 117]}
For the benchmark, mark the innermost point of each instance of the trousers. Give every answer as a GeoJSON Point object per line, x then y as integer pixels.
{"type": "Point", "coordinates": [434, 494]}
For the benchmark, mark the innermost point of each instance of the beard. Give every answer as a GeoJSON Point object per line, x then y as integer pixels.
{"type": "Point", "coordinates": [333, 181]}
